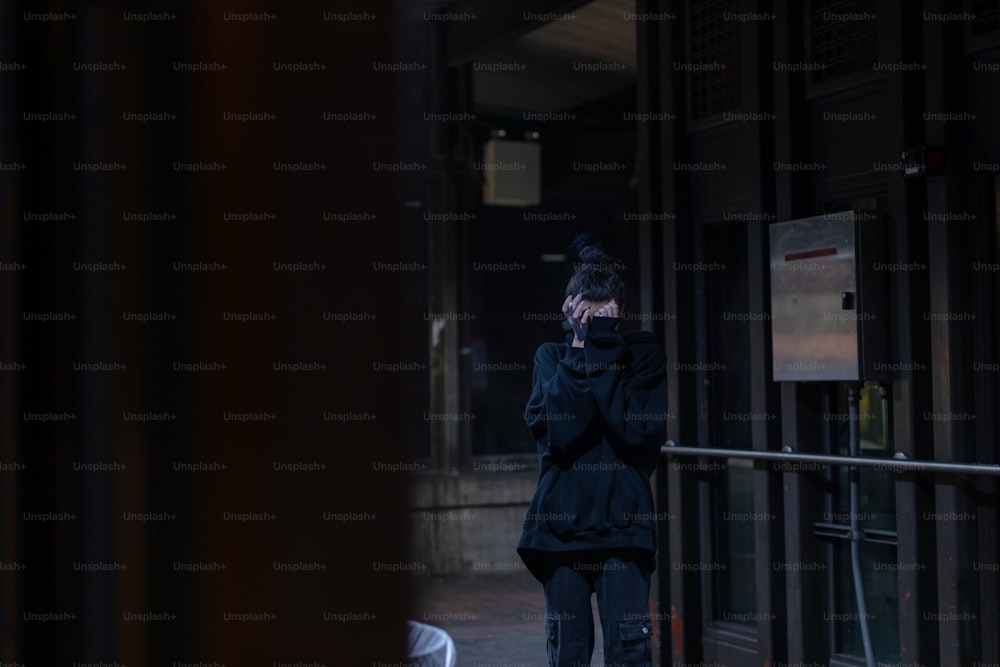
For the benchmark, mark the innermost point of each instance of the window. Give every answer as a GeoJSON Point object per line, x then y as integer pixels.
{"type": "Point", "coordinates": [986, 17]}
{"type": "Point", "coordinates": [876, 516]}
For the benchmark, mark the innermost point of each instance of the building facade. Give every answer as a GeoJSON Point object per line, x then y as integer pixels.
{"type": "Point", "coordinates": [737, 117]}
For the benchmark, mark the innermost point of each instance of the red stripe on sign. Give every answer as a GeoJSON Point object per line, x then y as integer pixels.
{"type": "Point", "coordinates": [822, 252]}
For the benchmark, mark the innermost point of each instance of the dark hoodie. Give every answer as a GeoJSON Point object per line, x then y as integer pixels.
{"type": "Point", "coordinates": [598, 414]}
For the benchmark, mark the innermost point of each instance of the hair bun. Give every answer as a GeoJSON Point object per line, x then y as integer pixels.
{"type": "Point", "coordinates": [593, 254]}
{"type": "Point", "coordinates": [596, 258]}
{"type": "Point", "coordinates": [596, 274]}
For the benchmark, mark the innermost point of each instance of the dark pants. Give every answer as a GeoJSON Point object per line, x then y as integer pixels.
{"type": "Point", "coordinates": [620, 579]}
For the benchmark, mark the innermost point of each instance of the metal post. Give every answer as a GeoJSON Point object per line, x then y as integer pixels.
{"type": "Point", "coordinates": [857, 534]}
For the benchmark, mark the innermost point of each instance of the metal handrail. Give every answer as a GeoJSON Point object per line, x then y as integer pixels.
{"type": "Point", "coordinates": [898, 463]}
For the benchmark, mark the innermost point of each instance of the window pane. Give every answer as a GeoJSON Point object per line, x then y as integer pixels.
{"type": "Point", "coordinates": [735, 593]}
{"type": "Point", "coordinates": [878, 568]}
{"type": "Point", "coordinates": [876, 511]}
{"type": "Point", "coordinates": [877, 499]}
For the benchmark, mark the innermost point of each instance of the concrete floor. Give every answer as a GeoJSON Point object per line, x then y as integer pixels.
{"type": "Point", "coordinates": [495, 621]}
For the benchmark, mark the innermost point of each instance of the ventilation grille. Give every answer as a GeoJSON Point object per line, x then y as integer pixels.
{"type": "Point", "coordinates": [987, 17]}
{"type": "Point", "coordinates": [843, 37]}
{"type": "Point", "coordinates": [715, 43]}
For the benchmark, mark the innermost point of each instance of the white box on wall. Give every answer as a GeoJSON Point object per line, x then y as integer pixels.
{"type": "Point", "coordinates": [512, 171]}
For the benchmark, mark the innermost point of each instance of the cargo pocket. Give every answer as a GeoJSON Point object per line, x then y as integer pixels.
{"type": "Point", "coordinates": [636, 642]}
{"type": "Point", "coordinates": [551, 636]}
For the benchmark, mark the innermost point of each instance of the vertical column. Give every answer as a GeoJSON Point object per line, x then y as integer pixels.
{"type": "Point", "coordinates": [443, 272]}
{"type": "Point", "coordinates": [648, 139]}
{"type": "Point", "coordinates": [900, 40]}
{"type": "Point", "coordinates": [950, 343]}
{"type": "Point", "coordinates": [679, 542]}
{"type": "Point", "coordinates": [757, 92]}
{"type": "Point", "coordinates": [801, 406]}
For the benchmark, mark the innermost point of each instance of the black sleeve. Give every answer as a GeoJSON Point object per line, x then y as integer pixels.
{"type": "Point", "coordinates": [629, 385]}
{"type": "Point", "coordinates": [561, 408]}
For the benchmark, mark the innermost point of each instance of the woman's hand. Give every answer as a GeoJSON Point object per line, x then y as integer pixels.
{"type": "Point", "coordinates": [610, 309]}
{"type": "Point", "coordinates": [577, 311]}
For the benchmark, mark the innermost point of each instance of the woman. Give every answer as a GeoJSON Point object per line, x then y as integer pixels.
{"type": "Point", "coordinates": [598, 414]}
